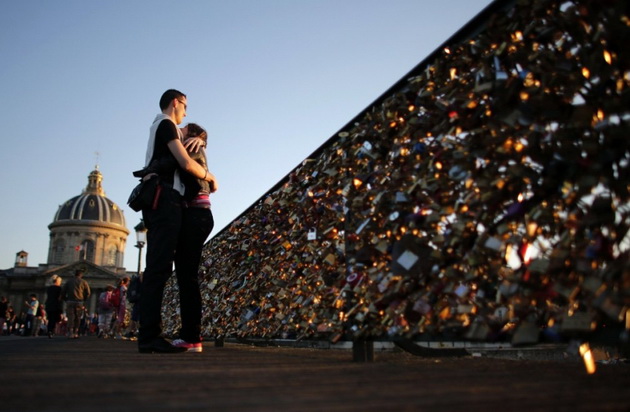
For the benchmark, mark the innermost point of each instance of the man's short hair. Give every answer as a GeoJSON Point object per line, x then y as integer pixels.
{"type": "Point", "coordinates": [168, 97]}
{"type": "Point", "coordinates": [79, 272]}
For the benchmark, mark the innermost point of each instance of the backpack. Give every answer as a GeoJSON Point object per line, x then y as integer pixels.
{"type": "Point", "coordinates": [116, 297]}
{"type": "Point", "coordinates": [133, 291]}
{"type": "Point", "coordinates": [104, 301]}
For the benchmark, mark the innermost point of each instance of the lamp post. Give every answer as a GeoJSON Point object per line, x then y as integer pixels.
{"type": "Point", "coordinates": [141, 240]}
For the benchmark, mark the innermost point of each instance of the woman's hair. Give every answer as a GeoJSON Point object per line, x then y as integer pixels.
{"type": "Point", "coordinates": [194, 130]}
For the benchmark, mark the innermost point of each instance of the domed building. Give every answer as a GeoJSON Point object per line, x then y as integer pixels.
{"type": "Point", "coordinates": [88, 232]}
{"type": "Point", "coordinates": [89, 227]}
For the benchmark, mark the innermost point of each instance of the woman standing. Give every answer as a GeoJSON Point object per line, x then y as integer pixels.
{"type": "Point", "coordinates": [53, 304]}
{"type": "Point", "coordinates": [197, 223]}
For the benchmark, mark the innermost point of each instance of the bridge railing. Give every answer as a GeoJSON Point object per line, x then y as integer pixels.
{"type": "Point", "coordinates": [483, 197]}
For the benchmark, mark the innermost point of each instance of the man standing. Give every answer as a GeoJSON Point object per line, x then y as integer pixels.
{"type": "Point", "coordinates": [32, 304]}
{"type": "Point", "coordinates": [75, 292]}
{"type": "Point", "coordinates": [163, 219]}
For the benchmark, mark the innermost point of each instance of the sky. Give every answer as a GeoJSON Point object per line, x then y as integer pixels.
{"type": "Point", "coordinates": [270, 80]}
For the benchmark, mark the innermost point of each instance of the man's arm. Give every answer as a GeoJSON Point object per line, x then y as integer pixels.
{"type": "Point", "coordinates": [189, 165]}
{"type": "Point", "coordinates": [168, 132]}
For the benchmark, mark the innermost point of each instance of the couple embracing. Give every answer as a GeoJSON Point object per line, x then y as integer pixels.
{"type": "Point", "coordinates": [178, 224]}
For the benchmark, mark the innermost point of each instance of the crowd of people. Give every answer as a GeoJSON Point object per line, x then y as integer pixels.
{"type": "Point", "coordinates": [64, 313]}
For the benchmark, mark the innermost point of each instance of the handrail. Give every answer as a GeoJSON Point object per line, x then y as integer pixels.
{"type": "Point", "coordinates": [482, 197]}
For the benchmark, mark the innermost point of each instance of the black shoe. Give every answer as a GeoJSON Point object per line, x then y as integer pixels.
{"type": "Point", "coordinates": [159, 345]}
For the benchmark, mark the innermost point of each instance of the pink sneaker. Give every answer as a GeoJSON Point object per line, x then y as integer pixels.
{"type": "Point", "coordinates": [190, 347]}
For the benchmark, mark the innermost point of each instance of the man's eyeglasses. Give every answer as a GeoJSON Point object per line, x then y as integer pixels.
{"type": "Point", "coordinates": [185, 105]}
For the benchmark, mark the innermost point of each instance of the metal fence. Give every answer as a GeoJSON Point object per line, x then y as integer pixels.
{"type": "Point", "coordinates": [482, 197]}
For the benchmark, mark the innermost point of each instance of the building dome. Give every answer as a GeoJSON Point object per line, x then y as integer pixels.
{"type": "Point", "coordinates": [91, 205]}
{"type": "Point", "coordinates": [89, 227]}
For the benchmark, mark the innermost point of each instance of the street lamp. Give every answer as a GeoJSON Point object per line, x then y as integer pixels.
{"type": "Point", "coordinates": [141, 240]}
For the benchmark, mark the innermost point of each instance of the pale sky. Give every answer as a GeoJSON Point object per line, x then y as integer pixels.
{"type": "Point", "coordinates": [271, 80]}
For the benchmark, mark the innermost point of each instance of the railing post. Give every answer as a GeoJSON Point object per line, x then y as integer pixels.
{"type": "Point", "coordinates": [362, 350]}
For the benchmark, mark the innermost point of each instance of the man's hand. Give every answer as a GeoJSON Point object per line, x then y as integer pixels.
{"type": "Point", "coordinates": [193, 144]}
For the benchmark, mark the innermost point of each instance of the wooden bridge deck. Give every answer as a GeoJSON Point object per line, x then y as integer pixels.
{"type": "Point", "coordinates": [89, 374]}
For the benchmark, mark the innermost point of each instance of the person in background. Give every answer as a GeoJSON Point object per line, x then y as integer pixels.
{"type": "Point", "coordinates": [121, 309]}
{"type": "Point", "coordinates": [164, 220]}
{"type": "Point", "coordinates": [106, 311]}
{"type": "Point", "coordinates": [93, 324]}
{"type": "Point", "coordinates": [4, 307]}
{"type": "Point", "coordinates": [75, 292]}
{"type": "Point", "coordinates": [20, 322]}
{"type": "Point", "coordinates": [11, 320]}
{"type": "Point", "coordinates": [62, 326]}
{"type": "Point", "coordinates": [32, 305]}
{"type": "Point", "coordinates": [40, 321]}
{"type": "Point", "coordinates": [53, 304]}
{"type": "Point", "coordinates": [133, 297]}
{"type": "Point", "coordinates": [84, 324]}
{"type": "Point", "coordinates": [197, 223]}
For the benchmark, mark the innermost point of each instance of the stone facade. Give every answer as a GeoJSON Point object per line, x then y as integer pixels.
{"type": "Point", "coordinates": [87, 232]}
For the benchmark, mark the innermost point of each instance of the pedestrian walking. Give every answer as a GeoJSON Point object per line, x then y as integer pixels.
{"type": "Point", "coordinates": [75, 292]}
